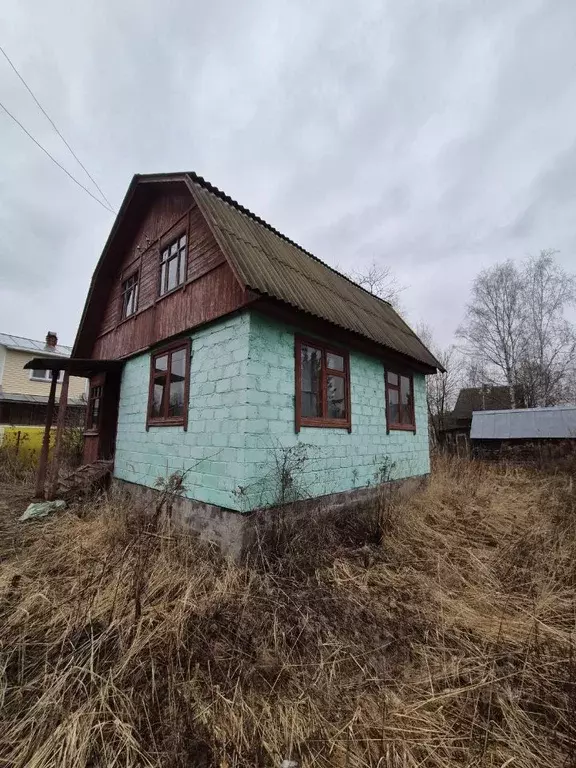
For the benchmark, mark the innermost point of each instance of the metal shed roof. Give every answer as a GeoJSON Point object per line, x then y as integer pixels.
{"type": "Point", "coordinates": [22, 344]}
{"type": "Point", "coordinates": [525, 423]}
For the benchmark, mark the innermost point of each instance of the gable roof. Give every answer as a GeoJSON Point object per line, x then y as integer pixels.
{"type": "Point", "coordinates": [271, 265]}
{"type": "Point", "coordinates": [22, 344]}
{"type": "Point", "coordinates": [487, 398]}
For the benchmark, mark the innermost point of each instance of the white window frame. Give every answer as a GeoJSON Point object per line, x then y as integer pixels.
{"type": "Point", "coordinates": [47, 377]}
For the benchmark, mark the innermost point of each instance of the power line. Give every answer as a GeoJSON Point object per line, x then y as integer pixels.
{"type": "Point", "coordinates": [54, 159]}
{"type": "Point", "coordinates": [53, 124]}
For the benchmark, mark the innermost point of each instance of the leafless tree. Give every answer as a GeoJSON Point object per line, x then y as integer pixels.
{"type": "Point", "coordinates": [493, 328]}
{"type": "Point", "coordinates": [379, 280]}
{"type": "Point", "coordinates": [516, 332]}
{"type": "Point", "coordinates": [441, 388]}
{"type": "Point", "coordinates": [546, 369]}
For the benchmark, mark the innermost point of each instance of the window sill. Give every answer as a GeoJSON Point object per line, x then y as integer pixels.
{"type": "Point", "coordinates": [126, 319]}
{"type": "Point", "coordinates": [402, 427]}
{"type": "Point", "coordinates": [165, 423]}
{"type": "Point", "coordinates": [171, 291]}
{"type": "Point", "coordinates": [90, 433]}
{"type": "Point", "coordinates": [327, 423]}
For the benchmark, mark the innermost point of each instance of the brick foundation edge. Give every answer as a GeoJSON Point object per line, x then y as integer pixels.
{"type": "Point", "coordinates": [234, 533]}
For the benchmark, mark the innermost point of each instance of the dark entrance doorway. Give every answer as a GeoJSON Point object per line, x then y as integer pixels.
{"type": "Point", "coordinates": [102, 417]}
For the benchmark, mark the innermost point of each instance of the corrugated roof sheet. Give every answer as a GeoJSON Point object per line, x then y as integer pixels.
{"type": "Point", "coordinates": [271, 264]}
{"type": "Point", "coordinates": [22, 344]}
{"type": "Point", "coordinates": [525, 423]}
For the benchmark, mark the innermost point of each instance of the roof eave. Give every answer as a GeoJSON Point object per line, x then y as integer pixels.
{"type": "Point", "coordinates": [29, 351]}
{"type": "Point", "coordinates": [266, 300]}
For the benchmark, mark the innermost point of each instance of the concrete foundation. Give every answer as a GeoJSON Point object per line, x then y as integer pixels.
{"type": "Point", "coordinates": [234, 533]}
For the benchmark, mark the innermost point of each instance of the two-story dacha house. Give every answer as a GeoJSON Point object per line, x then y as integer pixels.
{"type": "Point", "coordinates": [216, 345]}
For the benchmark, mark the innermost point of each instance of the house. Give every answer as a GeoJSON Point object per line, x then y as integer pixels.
{"type": "Point", "coordinates": [525, 433]}
{"type": "Point", "coordinates": [24, 394]}
{"type": "Point", "coordinates": [454, 430]}
{"type": "Point", "coordinates": [219, 348]}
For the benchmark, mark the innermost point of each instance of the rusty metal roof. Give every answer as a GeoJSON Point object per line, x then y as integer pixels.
{"type": "Point", "coordinates": [269, 263]}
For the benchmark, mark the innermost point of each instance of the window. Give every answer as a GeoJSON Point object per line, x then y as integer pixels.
{"type": "Point", "coordinates": [42, 375]}
{"type": "Point", "coordinates": [322, 386]}
{"type": "Point", "coordinates": [400, 401]}
{"type": "Point", "coordinates": [130, 295]}
{"type": "Point", "coordinates": [94, 408]}
{"type": "Point", "coordinates": [173, 265]}
{"type": "Point", "coordinates": [169, 381]}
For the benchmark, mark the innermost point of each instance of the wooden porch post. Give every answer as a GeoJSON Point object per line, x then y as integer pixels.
{"type": "Point", "coordinates": [41, 477]}
{"type": "Point", "coordinates": [60, 426]}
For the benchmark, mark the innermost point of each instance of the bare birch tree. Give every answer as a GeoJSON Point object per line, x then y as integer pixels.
{"type": "Point", "coordinates": [516, 332]}
{"type": "Point", "coordinates": [547, 366]}
{"type": "Point", "coordinates": [493, 328]}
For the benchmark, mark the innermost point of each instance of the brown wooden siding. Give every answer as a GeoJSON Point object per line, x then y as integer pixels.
{"type": "Point", "coordinates": [163, 213]}
{"type": "Point", "coordinates": [211, 296]}
{"type": "Point", "coordinates": [90, 453]}
{"type": "Point", "coordinates": [210, 291]}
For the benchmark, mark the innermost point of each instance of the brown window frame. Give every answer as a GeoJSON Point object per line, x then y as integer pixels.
{"type": "Point", "coordinates": [169, 421]}
{"type": "Point", "coordinates": [124, 293]}
{"type": "Point", "coordinates": [95, 392]}
{"type": "Point", "coordinates": [390, 425]}
{"type": "Point", "coordinates": [181, 255]}
{"type": "Point", "coordinates": [321, 421]}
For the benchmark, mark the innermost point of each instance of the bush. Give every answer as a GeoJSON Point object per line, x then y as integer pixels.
{"type": "Point", "coordinates": [16, 465]}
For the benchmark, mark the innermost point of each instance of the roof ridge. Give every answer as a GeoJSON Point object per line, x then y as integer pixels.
{"type": "Point", "coordinates": [208, 186]}
{"type": "Point", "coordinates": [15, 336]}
{"type": "Point", "coordinates": [27, 338]}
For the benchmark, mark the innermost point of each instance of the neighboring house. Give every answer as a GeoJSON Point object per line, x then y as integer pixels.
{"type": "Point", "coordinates": [455, 427]}
{"type": "Point", "coordinates": [24, 393]}
{"type": "Point", "coordinates": [525, 431]}
{"type": "Point", "coordinates": [219, 348]}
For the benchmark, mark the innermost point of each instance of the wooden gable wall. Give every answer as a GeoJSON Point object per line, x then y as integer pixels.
{"type": "Point", "coordinates": [210, 290]}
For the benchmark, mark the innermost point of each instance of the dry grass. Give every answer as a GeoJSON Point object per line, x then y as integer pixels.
{"type": "Point", "coordinates": [451, 643]}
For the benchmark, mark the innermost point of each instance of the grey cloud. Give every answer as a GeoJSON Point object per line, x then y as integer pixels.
{"type": "Point", "coordinates": [437, 137]}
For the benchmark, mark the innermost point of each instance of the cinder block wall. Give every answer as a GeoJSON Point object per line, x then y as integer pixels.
{"type": "Point", "coordinates": [211, 451]}
{"type": "Point", "coordinates": [241, 440]}
{"type": "Point", "coordinates": [328, 460]}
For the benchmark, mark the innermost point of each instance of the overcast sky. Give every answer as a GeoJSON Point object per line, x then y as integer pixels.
{"type": "Point", "coordinates": [435, 137]}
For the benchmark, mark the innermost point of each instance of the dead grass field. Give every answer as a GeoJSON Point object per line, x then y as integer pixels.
{"type": "Point", "coordinates": [435, 632]}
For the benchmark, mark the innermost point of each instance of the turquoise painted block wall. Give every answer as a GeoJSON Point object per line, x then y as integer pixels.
{"type": "Point", "coordinates": [211, 450]}
{"type": "Point", "coordinates": [329, 460]}
{"type": "Point", "coordinates": [241, 424]}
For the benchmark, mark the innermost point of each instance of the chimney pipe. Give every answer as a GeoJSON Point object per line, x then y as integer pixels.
{"type": "Point", "coordinates": [51, 339]}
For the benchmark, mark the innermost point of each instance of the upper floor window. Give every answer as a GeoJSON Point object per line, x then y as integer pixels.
{"type": "Point", "coordinates": [169, 382]}
{"type": "Point", "coordinates": [173, 265]}
{"type": "Point", "coordinates": [130, 295]}
{"type": "Point", "coordinates": [400, 401]}
{"type": "Point", "coordinates": [322, 385]}
{"type": "Point", "coordinates": [42, 375]}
